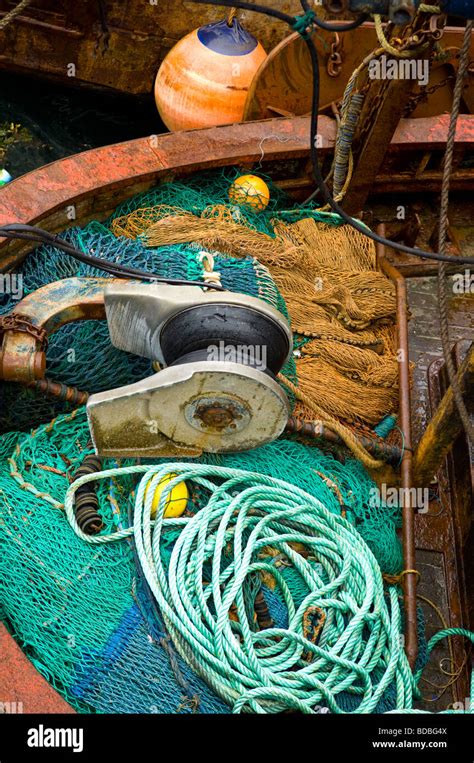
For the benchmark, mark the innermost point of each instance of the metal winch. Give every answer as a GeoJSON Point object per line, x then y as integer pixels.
{"type": "Point", "coordinates": [219, 354]}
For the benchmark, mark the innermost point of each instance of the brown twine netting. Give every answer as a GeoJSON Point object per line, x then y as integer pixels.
{"type": "Point", "coordinates": [335, 297]}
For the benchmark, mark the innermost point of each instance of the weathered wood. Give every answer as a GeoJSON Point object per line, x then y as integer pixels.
{"type": "Point", "coordinates": [126, 53]}
{"type": "Point", "coordinates": [444, 427]}
{"type": "Point", "coordinates": [282, 85]}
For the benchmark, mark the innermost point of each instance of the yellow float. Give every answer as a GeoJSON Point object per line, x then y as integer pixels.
{"type": "Point", "coordinates": [250, 191]}
{"type": "Point", "coordinates": [176, 501]}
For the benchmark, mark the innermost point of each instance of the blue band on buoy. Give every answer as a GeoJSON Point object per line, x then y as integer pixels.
{"type": "Point", "coordinates": [227, 40]}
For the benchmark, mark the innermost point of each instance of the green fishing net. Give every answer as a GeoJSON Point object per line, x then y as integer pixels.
{"type": "Point", "coordinates": [81, 612]}
{"type": "Point", "coordinates": [80, 354]}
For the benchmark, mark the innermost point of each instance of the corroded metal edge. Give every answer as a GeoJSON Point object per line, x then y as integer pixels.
{"type": "Point", "coordinates": [22, 688]}
{"type": "Point", "coordinates": [91, 184]}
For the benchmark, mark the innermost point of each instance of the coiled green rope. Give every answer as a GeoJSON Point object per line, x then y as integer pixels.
{"type": "Point", "coordinates": [221, 547]}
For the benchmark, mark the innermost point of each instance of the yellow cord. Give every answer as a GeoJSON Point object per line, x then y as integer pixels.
{"type": "Point", "coordinates": [231, 16]}
{"type": "Point", "coordinates": [328, 421]}
{"type": "Point", "coordinates": [457, 670]}
{"type": "Point", "coordinates": [390, 48]}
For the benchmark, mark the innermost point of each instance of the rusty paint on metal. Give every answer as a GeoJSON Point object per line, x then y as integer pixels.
{"type": "Point", "coordinates": [283, 83]}
{"type": "Point", "coordinates": [52, 306]}
{"type": "Point", "coordinates": [22, 688]}
{"type": "Point", "coordinates": [94, 182]}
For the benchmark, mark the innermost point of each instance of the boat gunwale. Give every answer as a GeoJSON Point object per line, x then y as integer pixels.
{"type": "Point", "coordinates": [92, 183]}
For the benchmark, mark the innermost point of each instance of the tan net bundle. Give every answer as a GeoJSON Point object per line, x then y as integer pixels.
{"type": "Point", "coordinates": [219, 232]}
{"type": "Point", "coordinates": [335, 297]}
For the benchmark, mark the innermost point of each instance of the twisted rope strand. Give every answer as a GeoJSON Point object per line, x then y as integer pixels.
{"type": "Point", "coordinates": [217, 552]}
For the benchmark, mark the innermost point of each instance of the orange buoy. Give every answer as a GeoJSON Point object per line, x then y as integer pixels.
{"type": "Point", "coordinates": [204, 79]}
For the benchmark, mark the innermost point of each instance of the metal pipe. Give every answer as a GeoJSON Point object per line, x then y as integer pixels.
{"type": "Point", "coordinates": [60, 391]}
{"type": "Point", "coordinates": [408, 513]}
{"type": "Point", "coordinates": [316, 431]}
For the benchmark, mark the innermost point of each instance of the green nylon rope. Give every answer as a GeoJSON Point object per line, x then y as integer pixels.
{"type": "Point", "coordinates": [218, 549]}
{"type": "Point", "coordinates": [221, 546]}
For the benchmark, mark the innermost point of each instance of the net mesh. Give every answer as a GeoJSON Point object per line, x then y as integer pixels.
{"type": "Point", "coordinates": [81, 612]}
{"type": "Point", "coordinates": [313, 269]}
{"type": "Point", "coordinates": [340, 306]}
{"type": "Point", "coordinates": [80, 354]}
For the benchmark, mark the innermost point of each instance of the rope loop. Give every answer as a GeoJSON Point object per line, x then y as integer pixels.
{"type": "Point", "coordinates": [397, 579]}
{"type": "Point", "coordinates": [304, 22]}
{"type": "Point", "coordinates": [342, 635]}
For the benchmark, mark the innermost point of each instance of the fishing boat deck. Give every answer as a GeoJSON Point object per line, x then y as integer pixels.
{"type": "Point", "coordinates": [433, 562]}
{"type": "Point", "coordinates": [425, 348]}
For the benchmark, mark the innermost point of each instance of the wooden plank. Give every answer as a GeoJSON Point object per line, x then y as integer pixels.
{"type": "Point", "coordinates": [444, 427]}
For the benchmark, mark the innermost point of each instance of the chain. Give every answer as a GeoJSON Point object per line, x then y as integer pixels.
{"type": "Point", "coordinates": [431, 28]}
{"type": "Point", "coordinates": [334, 62]}
{"type": "Point", "coordinates": [425, 91]}
{"type": "Point", "coordinates": [19, 322]}
{"type": "Point", "coordinates": [370, 117]}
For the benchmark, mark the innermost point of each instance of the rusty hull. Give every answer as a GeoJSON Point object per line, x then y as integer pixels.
{"type": "Point", "coordinates": [119, 50]}
{"type": "Point", "coordinates": [27, 691]}
{"type": "Point", "coordinates": [91, 184]}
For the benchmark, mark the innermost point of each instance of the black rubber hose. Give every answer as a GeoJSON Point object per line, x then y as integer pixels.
{"type": "Point", "coordinates": [32, 233]}
{"type": "Point", "coordinates": [326, 194]}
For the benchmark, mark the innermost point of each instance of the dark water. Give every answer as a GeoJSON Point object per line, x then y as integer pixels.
{"type": "Point", "coordinates": [41, 121]}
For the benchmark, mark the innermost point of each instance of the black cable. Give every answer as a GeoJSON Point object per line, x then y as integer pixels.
{"type": "Point", "coordinates": [250, 7]}
{"type": "Point", "coordinates": [32, 233]}
{"type": "Point", "coordinates": [327, 196]}
{"type": "Point", "coordinates": [324, 190]}
{"type": "Point", "coordinates": [341, 27]}
{"type": "Point", "coordinates": [257, 8]}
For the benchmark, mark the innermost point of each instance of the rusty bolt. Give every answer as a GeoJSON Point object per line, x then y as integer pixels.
{"type": "Point", "coordinates": [217, 416]}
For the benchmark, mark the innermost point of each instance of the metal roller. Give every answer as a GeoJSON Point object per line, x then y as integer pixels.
{"type": "Point", "coordinates": [216, 392]}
